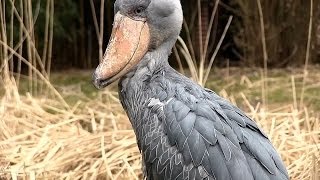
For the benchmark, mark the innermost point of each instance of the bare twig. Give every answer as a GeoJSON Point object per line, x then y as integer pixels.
{"type": "Point", "coordinates": [50, 39]}
{"type": "Point", "coordinates": [20, 47]}
{"type": "Point", "coordinates": [101, 29]}
{"type": "Point", "coordinates": [38, 73]}
{"type": "Point", "coordinates": [305, 71]}
{"type": "Point", "coordinates": [217, 50]}
{"type": "Point", "coordinates": [265, 57]}
{"type": "Point", "coordinates": [202, 55]}
{"type": "Point", "coordinates": [11, 65]}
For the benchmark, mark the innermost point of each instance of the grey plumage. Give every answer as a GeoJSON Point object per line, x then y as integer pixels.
{"type": "Point", "coordinates": [183, 130]}
{"type": "Point", "coordinates": [200, 135]}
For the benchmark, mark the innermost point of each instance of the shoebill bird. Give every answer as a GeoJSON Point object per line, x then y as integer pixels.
{"type": "Point", "coordinates": [183, 130]}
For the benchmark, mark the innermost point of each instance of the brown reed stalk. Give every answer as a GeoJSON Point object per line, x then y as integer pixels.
{"type": "Point", "coordinates": [46, 34]}
{"type": "Point", "coordinates": [29, 32]}
{"type": "Point", "coordinates": [187, 27]}
{"type": "Point", "coordinates": [213, 57]}
{"type": "Point", "coordinates": [4, 50]}
{"type": "Point", "coordinates": [21, 47]}
{"type": "Point", "coordinates": [198, 72]}
{"type": "Point", "coordinates": [50, 39]}
{"type": "Point", "coordinates": [208, 35]}
{"type": "Point", "coordinates": [27, 23]}
{"type": "Point", "coordinates": [201, 50]}
{"type": "Point", "coordinates": [46, 38]}
{"type": "Point", "coordinates": [101, 32]}
{"type": "Point", "coordinates": [307, 57]}
{"type": "Point", "coordinates": [176, 53]}
{"type": "Point", "coordinates": [38, 73]}
{"type": "Point", "coordinates": [98, 27]}
{"type": "Point", "coordinates": [265, 57]}
{"type": "Point", "coordinates": [11, 66]}
{"type": "Point", "coordinates": [32, 21]}
{"type": "Point", "coordinates": [202, 75]}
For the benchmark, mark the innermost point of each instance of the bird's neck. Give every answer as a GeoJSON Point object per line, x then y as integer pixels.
{"type": "Point", "coordinates": [135, 88]}
{"type": "Point", "coordinates": [154, 61]}
{"type": "Point", "coordinates": [158, 58]}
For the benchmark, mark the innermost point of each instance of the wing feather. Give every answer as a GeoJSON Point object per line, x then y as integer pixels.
{"type": "Point", "coordinates": [202, 136]}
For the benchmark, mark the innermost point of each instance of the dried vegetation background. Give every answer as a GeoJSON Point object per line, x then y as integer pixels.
{"type": "Point", "coordinates": [56, 126]}
{"type": "Point", "coordinates": [41, 137]}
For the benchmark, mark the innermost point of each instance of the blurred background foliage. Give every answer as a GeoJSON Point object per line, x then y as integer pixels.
{"type": "Point", "coordinates": [75, 44]}
{"type": "Point", "coordinates": [45, 117]}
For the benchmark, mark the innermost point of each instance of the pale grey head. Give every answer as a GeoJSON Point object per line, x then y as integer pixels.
{"type": "Point", "coordinates": [140, 27]}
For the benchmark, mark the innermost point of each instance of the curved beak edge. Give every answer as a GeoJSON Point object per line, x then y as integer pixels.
{"type": "Point", "coordinates": [128, 44]}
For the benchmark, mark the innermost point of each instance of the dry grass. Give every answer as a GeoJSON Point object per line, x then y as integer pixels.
{"type": "Point", "coordinates": [44, 137]}
{"type": "Point", "coordinates": [41, 138]}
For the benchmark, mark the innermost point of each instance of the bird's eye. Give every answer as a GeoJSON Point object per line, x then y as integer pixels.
{"type": "Point", "coordinates": [139, 10]}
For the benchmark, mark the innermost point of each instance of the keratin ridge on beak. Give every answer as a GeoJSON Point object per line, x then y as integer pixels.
{"type": "Point", "coordinates": [128, 44]}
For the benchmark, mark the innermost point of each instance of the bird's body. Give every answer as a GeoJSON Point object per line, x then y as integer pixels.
{"type": "Point", "coordinates": [183, 130]}
{"type": "Point", "coordinates": [187, 132]}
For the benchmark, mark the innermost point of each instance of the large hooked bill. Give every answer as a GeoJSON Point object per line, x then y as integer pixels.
{"type": "Point", "coordinates": [128, 44]}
